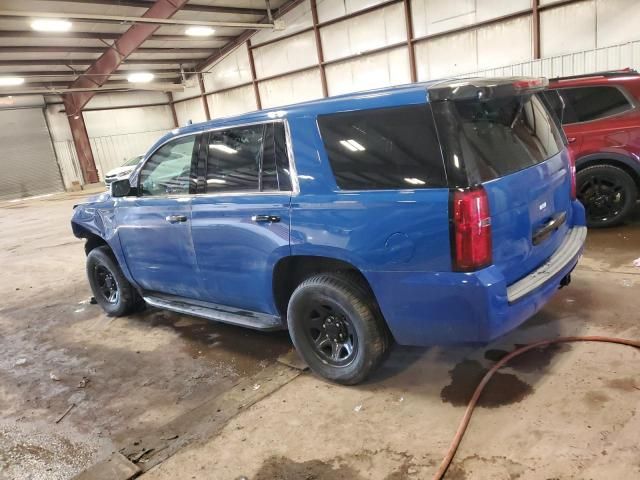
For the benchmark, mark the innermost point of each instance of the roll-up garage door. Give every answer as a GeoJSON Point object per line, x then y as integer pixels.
{"type": "Point", "coordinates": [28, 163]}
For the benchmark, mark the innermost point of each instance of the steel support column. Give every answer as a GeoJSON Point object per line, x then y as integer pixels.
{"type": "Point", "coordinates": [205, 104]}
{"type": "Point", "coordinates": [83, 147]}
{"type": "Point", "coordinates": [254, 78]}
{"type": "Point", "coordinates": [319, 50]}
{"type": "Point", "coordinates": [536, 28]}
{"type": "Point", "coordinates": [173, 110]}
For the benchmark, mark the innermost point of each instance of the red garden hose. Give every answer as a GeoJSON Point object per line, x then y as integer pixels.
{"type": "Point", "coordinates": [462, 427]}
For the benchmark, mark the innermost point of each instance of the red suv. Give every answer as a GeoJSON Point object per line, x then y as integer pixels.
{"type": "Point", "coordinates": [601, 120]}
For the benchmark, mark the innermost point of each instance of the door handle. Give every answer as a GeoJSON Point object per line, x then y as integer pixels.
{"type": "Point", "coordinates": [571, 139]}
{"type": "Point", "coordinates": [176, 218]}
{"type": "Point", "coordinates": [265, 218]}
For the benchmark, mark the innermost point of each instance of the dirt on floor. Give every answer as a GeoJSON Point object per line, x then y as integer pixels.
{"type": "Point", "coordinates": [120, 377]}
{"type": "Point", "coordinates": [566, 411]}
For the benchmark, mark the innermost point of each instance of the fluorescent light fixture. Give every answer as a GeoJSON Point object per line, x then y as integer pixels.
{"type": "Point", "coordinates": [51, 25]}
{"type": "Point", "coordinates": [414, 181]}
{"type": "Point", "coordinates": [223, 148]}
{"type": "Point", "coordinates": [199, 31]}
{"type": "Point", "coordinates": [140, 77]}
{"type": "Point", "coordinates": [11, 81]}
{"type": "Point", "coordinates": [352, 145]}
{"type": "Point", "coordinates": [216, 180]}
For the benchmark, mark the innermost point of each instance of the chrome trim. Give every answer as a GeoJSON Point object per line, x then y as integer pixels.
{"type": "Point", "coordinates": [212, 311]}
{"type": "Point", "coordinates": [570, 247]}
{"type": "Point", "coordinates": [134, 176]}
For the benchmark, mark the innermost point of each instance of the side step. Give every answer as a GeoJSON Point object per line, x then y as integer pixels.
{"type": "Point", "coordinates": [213, 311]}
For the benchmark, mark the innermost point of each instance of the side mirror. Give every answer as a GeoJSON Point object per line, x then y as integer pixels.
{"type": "Point", "coordinates": [121, 188]}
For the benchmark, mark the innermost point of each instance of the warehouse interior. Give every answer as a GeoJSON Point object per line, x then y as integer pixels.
{"type": "Point", "coordinates": [162, 395]}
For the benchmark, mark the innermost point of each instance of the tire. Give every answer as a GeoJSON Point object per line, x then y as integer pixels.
{"type": "Point", "coordinates": [103, 272]}
{"type": "Point", "coordinates": [336, 308]}
{"type": "Point", "coordinates": [608, 194]}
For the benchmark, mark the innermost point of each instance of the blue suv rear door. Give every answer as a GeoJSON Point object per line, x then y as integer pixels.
{"type": "Point", "coordinates": [240, 218]}
{"type": "Point", "coordinates": [155, 226]}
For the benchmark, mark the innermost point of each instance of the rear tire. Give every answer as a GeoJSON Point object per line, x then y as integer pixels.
{"type": "Point", "coordinates": [110, 288]}
{"type": "Point", "coordinates": [608, 194]}
{"type": "Point", "coordinates": [336, 327]}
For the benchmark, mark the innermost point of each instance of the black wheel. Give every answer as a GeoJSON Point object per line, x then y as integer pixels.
{"type": "Point", "coordinates": [336, 327]}
{"type": "Point", "coordinates": [110, 288]}
{"type": "Point", "coordinates": [608, 194]}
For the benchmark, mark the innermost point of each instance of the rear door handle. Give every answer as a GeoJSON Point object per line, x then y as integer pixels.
{"type": "Point", "coordinates": [548, 228]}
{"type": "Point", "coordinates": [571, 139]}
{"type": "Point", "coordinates": [176, 218]}
{"type": "Point", "coordinates": [265, 218]}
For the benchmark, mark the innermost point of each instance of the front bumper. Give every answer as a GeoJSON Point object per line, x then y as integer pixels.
{"type": "Point", "coordinates": [449, 308]}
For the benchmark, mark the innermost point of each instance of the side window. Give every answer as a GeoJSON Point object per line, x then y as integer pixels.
{"type": "Point", "coordinates": [233, 163]}
{"type": "Point", "coordinates": [390, 148]}
{"type": "Point", "coordinates": [585, 104]}
{"type": "Point", "coordinates": [169, 170]}
{"type": "Point", "coordinates": [252, 158]}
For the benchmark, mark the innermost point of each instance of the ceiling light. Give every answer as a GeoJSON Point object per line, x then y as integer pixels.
{"type": "Point", "coordinates": [219, 181]}
{"type": "Point", "coordinates": [140, 77]}
{"type": "Point", "coordinates": [199, 31]}
{"type": "Point", "coordinates": [414, 181]}
{"type": "Point", "coordinates": [352, 145]}
{"type": "Point", "coordinates": [11, 81]}
{"type": "Point", "coordinates": [223, 148]}
{"type": "Point", "coordinates": [51, 25]}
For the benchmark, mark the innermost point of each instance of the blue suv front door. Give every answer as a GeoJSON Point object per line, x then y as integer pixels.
{"type": "Point", "coordinates": [155, 226]}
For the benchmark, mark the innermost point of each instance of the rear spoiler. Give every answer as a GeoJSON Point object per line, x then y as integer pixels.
{"type": "Point", "coordinates": [483, 88]}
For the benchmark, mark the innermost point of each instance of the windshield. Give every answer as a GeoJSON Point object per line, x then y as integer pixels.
{"type": "Point", "coordinates": [484, 140]}
{"type": "Point", "coordinates": [133, 161]}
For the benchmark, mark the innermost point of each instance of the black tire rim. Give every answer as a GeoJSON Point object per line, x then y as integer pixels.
{"type": "Point", "coordinates": [331, 335]}
{"type": "Point", "coordinates": [107, 285]}
{"type": "Point", "coordinates": [604, 198]}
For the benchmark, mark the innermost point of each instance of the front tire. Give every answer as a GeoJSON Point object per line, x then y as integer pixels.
{"type": "Point", "coordinates": [608, 194]}
{"type": "Point", "coordinates": [336, 327]}
{"type": "Point", "coordinates": [110, 288]}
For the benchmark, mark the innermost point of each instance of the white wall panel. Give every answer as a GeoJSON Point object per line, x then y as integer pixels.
{"type": "Point", "coordinates": [331, 9]}
{"type": "Point", "coordinates": [354, 35]}
{"type": "Point", "coordinates": [446, 56]}
{"type": "Point", "coordinates": [488, 9]}
{"type": "Point", "coordinates": [434, 16]}
{"type": "Point", "coordinates": [286, 55]}
{"type": "Point", "coordinates": [295, 20]}
{"type": "Point", "coordinates": [370, 71]}
{"type": "Point", "coordinates": [293, 88]}
{"type": "Point", "coordinates": [576, 22]}
{"type": "Point", "coordinates": [232, 102]}
{"type": "Point", "coordinates": [68, 163]}
{"type": "Point", "coordinates": [190, 110]}
{"type": "Point", "coordinates": [232, 70]}
{"type": "Point", "coordinates": [505, 43]}
{"type": "Point", "coordinates": [618, 21]}
{"type": "Point", "coordinates": [106, 100]}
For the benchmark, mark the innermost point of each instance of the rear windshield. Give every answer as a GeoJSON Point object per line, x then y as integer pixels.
{"type": "Point", "coordinates": [381, 149]}
{"type": "Point", "coordinates": [484, 140]}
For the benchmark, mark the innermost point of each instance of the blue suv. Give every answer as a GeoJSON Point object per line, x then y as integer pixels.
{"type": "Point", "coordinates": [431, 213]}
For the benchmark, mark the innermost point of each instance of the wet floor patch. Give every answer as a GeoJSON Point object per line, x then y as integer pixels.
{"type": "Point", "coordinates": [503, 389]}
{"type": "Point", "coordinates": [531, 361]}
{"type": "Point", "coordinates": [250, 349]}
{"type": "Point", "coordinates": [282, 468]}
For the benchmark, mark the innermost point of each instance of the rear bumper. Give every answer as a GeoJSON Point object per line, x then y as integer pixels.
{"type": "Point", "coordinates": [448, 307]}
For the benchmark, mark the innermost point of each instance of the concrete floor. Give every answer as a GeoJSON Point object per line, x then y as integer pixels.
{"type": "Point", "coordinates": [563, 412]}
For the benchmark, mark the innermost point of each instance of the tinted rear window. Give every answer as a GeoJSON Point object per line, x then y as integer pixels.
{"type": "Point", "coordinates": [390, 148]}
{"type": "Point", "coordinates": [586, 104]}
{"type": "Point", "coordinates": [483, 140]}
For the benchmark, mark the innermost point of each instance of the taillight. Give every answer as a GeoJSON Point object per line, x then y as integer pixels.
{"type": "Point", "coordinates": [471, 229]}
{"type": "Point", "coordinates": [572, 169]}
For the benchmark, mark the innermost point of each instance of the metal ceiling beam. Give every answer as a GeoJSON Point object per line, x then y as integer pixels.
{"type": "Point", "coordinates": [83, 62]}
{"type": "Point", "coordinates": [63, 87]}
{"type": "Point", "coordinates": [91, 17]}
{"type": "Point", "coordinates": [106, 36]}
{"type": "Point", "coordinates": [108, 63]}
{"type": "Point", "coordinates": [246, 35]}
{"type": "Point", "coordinates": [64, 49]}
{"type": "Point", "coordinates": [70, 76]}
{"type": "Point", "coordinates": [188, 8]}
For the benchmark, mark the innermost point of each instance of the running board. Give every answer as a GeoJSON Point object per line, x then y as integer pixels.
{"type": "Point", "coordinates": [218, 313]}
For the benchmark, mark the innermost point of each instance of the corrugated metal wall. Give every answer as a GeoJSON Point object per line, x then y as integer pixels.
{"type": "Point", "coordinates": [580, 37]}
